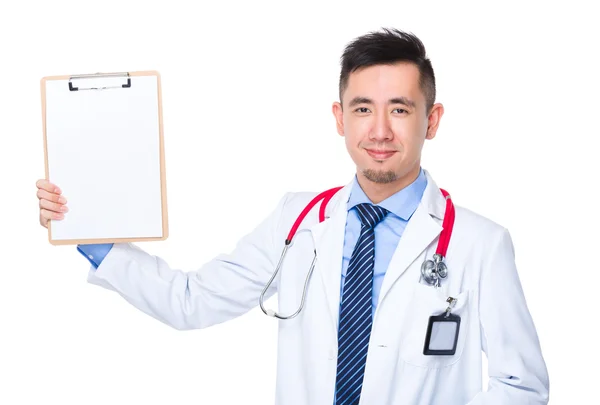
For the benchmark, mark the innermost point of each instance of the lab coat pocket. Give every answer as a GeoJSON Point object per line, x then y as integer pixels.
{"type": "Point", "coordinates": [428, 301]}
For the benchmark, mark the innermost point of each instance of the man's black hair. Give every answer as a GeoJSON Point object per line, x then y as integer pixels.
{"type": "Point", "coordinates": [388, 46]}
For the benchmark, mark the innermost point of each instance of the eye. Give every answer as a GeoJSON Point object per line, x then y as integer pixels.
{"type": "Point", "coordinates": [362, 110]}
{"type": "Point", "coordinates": [401, 110]}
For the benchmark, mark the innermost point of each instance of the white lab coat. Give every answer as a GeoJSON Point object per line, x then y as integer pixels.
{"type": "Point", "coordinates": [482, 276]}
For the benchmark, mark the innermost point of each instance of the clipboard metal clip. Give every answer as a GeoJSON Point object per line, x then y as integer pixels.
{"type": "Point", "coordinates": [100, 75]}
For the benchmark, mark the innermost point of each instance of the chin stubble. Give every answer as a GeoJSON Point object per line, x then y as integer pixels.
{"type": "Point", "coordinates": [380, 176]}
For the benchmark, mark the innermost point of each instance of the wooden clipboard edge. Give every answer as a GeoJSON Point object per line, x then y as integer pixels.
{"type": "Point", "coordinates": [163, 183]}
{"type": "Point", "coordinates": [43, 93]}
{"type": "Point", "coordinates": [104, 240]}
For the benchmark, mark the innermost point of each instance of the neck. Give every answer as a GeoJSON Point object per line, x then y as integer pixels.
{"type": "Point", "coordinates": [377, 192]}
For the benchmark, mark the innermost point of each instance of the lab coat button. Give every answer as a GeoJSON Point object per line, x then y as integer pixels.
{"type": "Point", "coordinates": [91, 257]}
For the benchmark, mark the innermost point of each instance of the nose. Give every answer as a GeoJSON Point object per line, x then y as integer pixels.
{"type": "Point", "coordinates": [381, 129]}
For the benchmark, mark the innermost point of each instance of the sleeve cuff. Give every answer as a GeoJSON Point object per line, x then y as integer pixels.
{"type": "Point", "coordinates": [95, 253]}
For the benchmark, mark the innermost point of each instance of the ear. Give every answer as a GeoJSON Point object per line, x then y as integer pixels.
{"type": "Point", "coordinates": [338, 113]}
{"type": "Point", "coordinates": [433, 121]}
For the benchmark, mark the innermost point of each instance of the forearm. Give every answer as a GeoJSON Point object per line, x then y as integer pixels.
{"type": "Point", "coordinates": [183, 300]}
{"type": "Point", "coordinates": [222, 289]}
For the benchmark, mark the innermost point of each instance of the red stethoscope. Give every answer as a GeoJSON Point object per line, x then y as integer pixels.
{"type": "Point", "coordinates": [431, 270]}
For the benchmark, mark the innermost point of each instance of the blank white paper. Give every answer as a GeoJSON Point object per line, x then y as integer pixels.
{"type": "Point", "coordinates": [103, 152]}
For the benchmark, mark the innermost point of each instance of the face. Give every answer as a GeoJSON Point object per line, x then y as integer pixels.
{"type": "Point", "coordinates": [384, 121]}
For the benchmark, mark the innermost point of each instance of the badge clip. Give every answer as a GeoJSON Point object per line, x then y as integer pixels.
{"type": "Point", "coordinates": [452, 303]}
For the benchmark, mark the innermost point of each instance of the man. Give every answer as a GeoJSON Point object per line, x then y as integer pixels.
{"type": "Point", "coordinates": [362, 331]}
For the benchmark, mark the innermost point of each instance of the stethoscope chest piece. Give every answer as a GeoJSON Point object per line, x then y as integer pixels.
{"type": "Point", "coordinates": [434, 270]}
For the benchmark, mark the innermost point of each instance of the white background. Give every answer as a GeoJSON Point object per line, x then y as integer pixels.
{"type": "Point", "coordinates": [247, 93]}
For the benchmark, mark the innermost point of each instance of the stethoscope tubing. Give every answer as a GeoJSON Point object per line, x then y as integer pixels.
{"type": "Point", "coordinates": [324, 197]}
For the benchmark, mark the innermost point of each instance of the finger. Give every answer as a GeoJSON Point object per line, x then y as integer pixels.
{"type": "Point", "coordinates": [43, 221]}
{"type": "Point", "coordinates": [56, 198]}
{"type": "Point", "coordinates": [54, 207]}
{"type": "Point", "coordinates": [46, 185]}
{"type": "Point", "coordinates": [51, 215]}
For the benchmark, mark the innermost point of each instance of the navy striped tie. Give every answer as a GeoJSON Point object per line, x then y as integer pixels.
{"type": "Point", "coordinates": [355, 312]}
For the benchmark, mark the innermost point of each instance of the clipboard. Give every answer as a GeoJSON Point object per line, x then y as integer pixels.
{"type": "Point", "coordinates": [104, 147]}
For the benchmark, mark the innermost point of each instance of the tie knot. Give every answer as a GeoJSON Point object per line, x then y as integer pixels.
{"type": "Point", "coordinates": [370, 215]}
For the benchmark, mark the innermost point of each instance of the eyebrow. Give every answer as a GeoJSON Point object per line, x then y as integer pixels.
{"type": "Point", "coordinates": [396, 100]}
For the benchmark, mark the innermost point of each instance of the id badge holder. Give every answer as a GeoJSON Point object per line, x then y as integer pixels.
{"type": "Point", "coordinates": [442, 332]}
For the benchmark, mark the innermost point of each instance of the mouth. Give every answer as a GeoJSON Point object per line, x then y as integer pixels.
{"type": "Point", "coordinates": [380, 154]}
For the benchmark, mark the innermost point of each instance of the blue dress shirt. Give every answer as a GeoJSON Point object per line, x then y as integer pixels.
{"type": "Point", "coordinates": [401, 207]}
{"type": "Point", "coordinates": [95, 253]}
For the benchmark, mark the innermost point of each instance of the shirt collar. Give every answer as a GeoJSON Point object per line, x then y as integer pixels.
{"type": "Point", "coordinates": [402, 204]}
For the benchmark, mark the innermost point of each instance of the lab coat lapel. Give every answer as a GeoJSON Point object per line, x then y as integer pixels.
{"type": "Point", "coordinates": [329, 245]}
{"type": "Point", "coordinates": [421, 230]}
